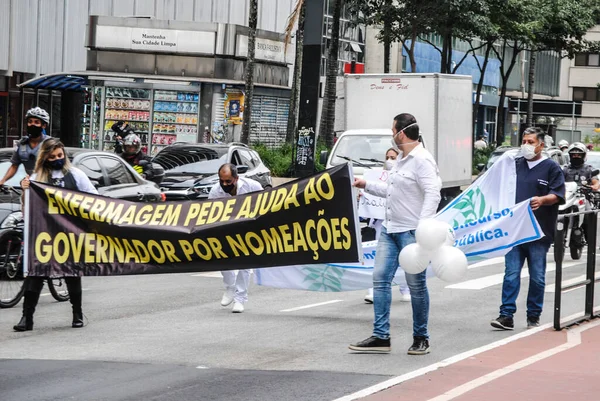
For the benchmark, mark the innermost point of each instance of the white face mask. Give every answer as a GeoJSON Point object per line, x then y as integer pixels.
{"type": "Point", "coordinates": [389, 164]}
{"type": "Point", "coordinates": [528, 151]}
{"type": "Point", "coordinates": [395, 145]}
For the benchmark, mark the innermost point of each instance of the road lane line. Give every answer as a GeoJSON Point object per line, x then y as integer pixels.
{"type": "Point", "coordinates": [312, 305]}
{"type": "Point", "coordinates": [447, 362]}
{"type": "Point", "coordinates": [573, 340]}
{"type": "Point", "coordinates": [208, 274]}
{"type": "Point", "coordinates": [495, 279]}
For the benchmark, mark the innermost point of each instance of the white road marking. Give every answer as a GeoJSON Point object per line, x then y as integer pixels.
{"type": "Point", "coordinates": [201, 367]}
{"type": "Point", "coordinates": [495, 279]}
{"type": "Point", "coordinates": [573, 340]}
{"type": "Point", "coordinates": [551, 287]}
{"type": "Point", "coordinates": [312, 305]}
{"type": "Point", "coordinates": [208, 274]}
{"type": "Point", "coordinates": [447, 362]}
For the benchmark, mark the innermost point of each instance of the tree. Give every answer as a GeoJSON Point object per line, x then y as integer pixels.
{"type": "Point", "coordinates": [296, 16]}
{"type": "Point", "coordinates": [560, 26]}
{"type": "Point", "coordinates": [249, 73]}
{"type": "Point", "coordinates": [327, 123]}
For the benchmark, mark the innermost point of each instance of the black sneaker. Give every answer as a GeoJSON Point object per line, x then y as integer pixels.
{"type": "Point", "coordinates": [420, 346]}
{"type": "Point", "coordinates": [503, 322]}
{"type": "Point", "coordinates": [372, 344]}
{"type": "Point", "coordinates": [533, 322]}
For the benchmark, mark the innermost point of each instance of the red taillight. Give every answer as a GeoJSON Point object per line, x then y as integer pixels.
{"type": "Point", "coordinates": [163, 197]}
{"type": "Point", "coordinates": [581, 201]}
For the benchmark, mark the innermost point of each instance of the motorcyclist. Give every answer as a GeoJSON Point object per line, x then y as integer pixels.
{"type": "Point", "coordinates": [25, 153]}
{"type": "Point", "coordinates": [121, 130]}
{"type": "Point", "coordinates": [142, 163]}
{"type": "Point", "coordinates": [563, 145]}
{"type": "Point", "coordinates": [577, 170]}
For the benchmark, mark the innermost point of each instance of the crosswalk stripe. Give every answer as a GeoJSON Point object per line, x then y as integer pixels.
{"type": "Point", "coordinates": [495, 279]}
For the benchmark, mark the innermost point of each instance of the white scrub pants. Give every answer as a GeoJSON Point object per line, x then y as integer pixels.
{"type": "Point", "coordinates": [236, 283]}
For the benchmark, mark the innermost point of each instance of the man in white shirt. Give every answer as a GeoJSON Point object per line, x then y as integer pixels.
{"type": "Point", "coordinates": [412, 192]}
{"type": "Point", "coordinates": [480, 143]}
{"type": "Point", "coordinates": [236, 282]}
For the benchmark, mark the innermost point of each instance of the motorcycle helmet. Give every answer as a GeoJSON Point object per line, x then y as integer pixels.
{"type": "Point", "coordinates": [131, 145]}
{"type": "Point", "coordinates": [577, 154]}
{"type": "Point", "coordinates": [39, 113]}
{"type": "Point", "coordinates": [563, 144]}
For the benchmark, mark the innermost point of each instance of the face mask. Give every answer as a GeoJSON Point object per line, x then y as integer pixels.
{"type": "Point", "coordinates": [576, 162]}
{"type": "Point", "coordinates": [227, 188]}
{"type": "Point", "coordinates": [57, 164]}
{"type": "Point", "coordinates": [396, 146]}
{"type": "Point", "coordinates": [528, 151]}
{"type": "Point", "coordinates": [34, 131]}
{"type": "Point", "coordinates": [389, 164]}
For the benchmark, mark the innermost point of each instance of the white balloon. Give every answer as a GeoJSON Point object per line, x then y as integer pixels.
{"type": "Point", "coordinates": [431, 234]}
{"type": "Point", "coordinates": [414, 259]}
{"type": "Point", "coordinates": [449, 263]}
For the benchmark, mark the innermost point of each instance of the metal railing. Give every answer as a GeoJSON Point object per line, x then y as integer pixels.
{"type": "Point", "coordinates": [591, 222]}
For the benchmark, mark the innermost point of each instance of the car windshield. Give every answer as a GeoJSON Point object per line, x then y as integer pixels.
{"type": "Point", "coordinates": [194, 160]}
{"type": "Point", "coordinates": [593, 159]}
{"type": "Point", "coordinates": [361, 147]}
{"type": "Point", "coordinates": [15, 181]}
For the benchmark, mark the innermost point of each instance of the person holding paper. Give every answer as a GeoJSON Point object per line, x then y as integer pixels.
{"type": "Point", "coordinates": [390, 159]}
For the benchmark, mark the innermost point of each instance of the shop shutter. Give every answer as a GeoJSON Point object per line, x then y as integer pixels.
{"type": "Point", "coordinates": [269, 120]}
{"type": "Point", "coordinates": [218, 129]}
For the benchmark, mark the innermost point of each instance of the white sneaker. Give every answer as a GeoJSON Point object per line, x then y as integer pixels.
{"type": "Point", "coordinates": [238, 307]}
{"type": "Point", "coordinates": [405, 297]}
{"type": "Point", "coordinates": [369, 296]}
{"type": "Point", "coordinates": [227, 298]}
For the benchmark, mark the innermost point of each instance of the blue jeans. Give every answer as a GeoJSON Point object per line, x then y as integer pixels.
{"type": "Point", "coordinates": [386, 265]}
{"type": "Point", "coordinates": [535, 254]}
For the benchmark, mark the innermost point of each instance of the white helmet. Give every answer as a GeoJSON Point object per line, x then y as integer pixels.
{"type": "Point", "coordinates": [563, 143]}
{"type": "Point", "coordinates": [132, 140]}
{"type": "Point", "coordinates": [38, 112]}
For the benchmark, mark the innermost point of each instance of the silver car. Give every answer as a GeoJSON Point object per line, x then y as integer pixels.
{"type": "Point", "coordinates": [191, 169]}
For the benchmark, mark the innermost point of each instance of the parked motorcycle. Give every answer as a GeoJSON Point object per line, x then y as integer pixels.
{"type": "Point", "coordinates": [579, 198]}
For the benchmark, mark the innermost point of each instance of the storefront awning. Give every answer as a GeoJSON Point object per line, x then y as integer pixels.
{"type": "Point", "coordinates": [62, 82]}
{"type": "Point", "coordinates": [75, 80]}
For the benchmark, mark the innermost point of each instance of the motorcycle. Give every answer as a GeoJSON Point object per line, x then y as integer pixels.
{"type": "Point", "coordinates": [579, 198]}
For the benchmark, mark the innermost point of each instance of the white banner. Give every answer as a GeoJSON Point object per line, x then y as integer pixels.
{"type": "Point", "coordinates": [486, 223]}
{"type": "Point", "coordinates": [371, 206]}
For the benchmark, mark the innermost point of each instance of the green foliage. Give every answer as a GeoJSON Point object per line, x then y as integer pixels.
{"type": "Point", "coordinates": [280, 160]}
{"type": "Point", "coordinates": [481, 156]}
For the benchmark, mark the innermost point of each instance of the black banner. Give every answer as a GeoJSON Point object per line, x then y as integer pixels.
{"type": "Point", "coordinates": [306, 221]}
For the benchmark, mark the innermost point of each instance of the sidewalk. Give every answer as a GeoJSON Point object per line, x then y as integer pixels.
{"type": "Point", "coordinates": [548, 365]}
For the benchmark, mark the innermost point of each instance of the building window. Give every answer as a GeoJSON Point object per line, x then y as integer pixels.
{"type": "Point", "coordinates": [587, 60]}
{"type": "Point", "coordinates": [588, 94]}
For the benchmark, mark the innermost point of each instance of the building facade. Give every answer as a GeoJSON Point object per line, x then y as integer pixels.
{"type": "Point", "coordinates": [39, 37]}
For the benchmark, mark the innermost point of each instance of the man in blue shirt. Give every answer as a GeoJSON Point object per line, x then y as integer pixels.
{"type": "Point", "coordinates": [540, 180]}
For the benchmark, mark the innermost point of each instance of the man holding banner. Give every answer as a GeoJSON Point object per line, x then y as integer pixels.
{"type": "Point", "coordinates": [412, 193]}
{"type": "Point", "coordinates": [540, 180]}
{"type": "Point", "coordinates": [236, 282]}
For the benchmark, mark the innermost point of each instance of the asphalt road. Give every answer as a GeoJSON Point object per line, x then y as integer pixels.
{"type": "Point", "coordinates": [166, 337]}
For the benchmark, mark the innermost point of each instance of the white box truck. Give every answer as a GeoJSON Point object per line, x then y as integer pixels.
{"type": "Point", "coordinates": [442, 105]}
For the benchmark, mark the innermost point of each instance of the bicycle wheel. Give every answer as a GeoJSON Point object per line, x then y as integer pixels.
{"type": "Point", "coordinates": [58, 289]}
{"type": "Point", "coordinates": [11, 268]}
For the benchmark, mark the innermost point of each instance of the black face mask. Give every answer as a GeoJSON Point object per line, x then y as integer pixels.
{"type": "Point", "coordinates": [227, 188]}
{"type": "Point", "coordinates": [57, 164]}
{"type": "Point", "coordinates": [576, 162]}
{"type": "Point", "coordinates": [34, 131]}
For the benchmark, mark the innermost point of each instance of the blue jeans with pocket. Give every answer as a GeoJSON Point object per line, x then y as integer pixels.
{"type": "Point", "coordinates": [386, 265]}
{"type": "Point", "coordinates": [535, 253]}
